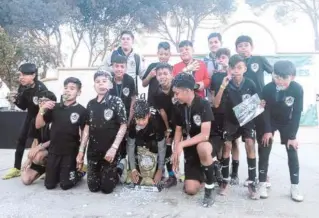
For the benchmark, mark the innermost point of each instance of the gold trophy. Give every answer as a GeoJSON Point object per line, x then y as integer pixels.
{"type": "Point", "coordinates": [147, 162]}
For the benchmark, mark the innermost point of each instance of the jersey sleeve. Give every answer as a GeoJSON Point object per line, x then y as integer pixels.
{"type": "Point", "coordinates": [121, 112]}
{"type": "Point", "coordinates": [177, 116]}
{"type": "Point", "coordinates": [148, 70]}
{"type": "Point", "coordinates": [84, 119]}
{"type": "Point", "coordinates": [267, 66]}
{"type": "Point", "coordinates": [207, 113]}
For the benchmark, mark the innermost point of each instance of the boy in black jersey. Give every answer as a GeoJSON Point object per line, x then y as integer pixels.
{"type": "Point", "coordinates": [149, 78]}
{"type": "Point", "coordinates": [222, 60]}
{"type": "Point", "coordinates": [234, 92]}
{"type": "Point", "coordinates": [146, 140]}
{"type": "Point", "coordinates": [284, 104]}
{"type": "Point", "coordinates": [194, 116]}
{"type": "Point", "coordinates": [104, 133]}
{"type": "Point", "coordinates": [67, 118]}
{"type": "Point", "coordinates": [26, 99]}
{"type": "Point", "coordinates": [34, 166]}
{"type": "Point", "coordinates": [256, 67]}
{"type": "Point", "coordinates": [164, 101]}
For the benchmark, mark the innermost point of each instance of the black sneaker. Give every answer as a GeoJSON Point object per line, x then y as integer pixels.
{"type": "Point", "coordinates": [171, 181]}
{"type": "Point", "coordinates": [234, 180]}
{"type": "Point", "coordinates": [209, 197]}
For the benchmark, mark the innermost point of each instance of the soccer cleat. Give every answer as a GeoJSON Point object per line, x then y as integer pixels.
{"type": "Point", "coordinates": [234, 180]}
{"type": "Point", "coordinates": [254, 195]}
{"type": "Point", "coordinates": [263, 192]}
{"type": "Point", "coordinates": [170, 182]}
{"type": "Point", "coordinates": [295, 193]}
{"type": "Point", "coordinates": [209, 197]}
{"type": "Point", "coordinates": [123, 166]}
{"type": "Point", "coordinates": [12, 173]}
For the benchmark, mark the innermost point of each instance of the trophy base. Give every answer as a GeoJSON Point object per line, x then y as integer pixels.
{"type": "Point", "coordinates": [153, 188]}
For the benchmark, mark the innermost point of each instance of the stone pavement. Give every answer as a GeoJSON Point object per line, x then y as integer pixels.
{"type": "Point", "coordinates": [18, 200]}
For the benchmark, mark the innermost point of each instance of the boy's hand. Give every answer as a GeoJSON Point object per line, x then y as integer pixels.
{"type": "Point", "coordinates": [294, 143]}
{"type": "Point", "coordinates": [48, 105]}
{"type": "Point", "coordinates": [26, 164]}
{"type": "Point", "coordinates": [266, 139]}
{"type": "Point", "coordinates": [11, 97]}
{"type": "Point", "coordinates": [33, 152]}
{"type": "Point", "coordinates": [135, 176]}
{"type": "Point", "coordinates": [158, 176]}
{"type": "Point", "coordinates": [262, 103]}
{"type": "Point", "coordinates": [152, 74]}
{"type": "Point", "coordinates": [225, 81]}
{"type": "Point", "coordinates": [110, 154]}
{"type": "Point", "coordinates": [79, 160]}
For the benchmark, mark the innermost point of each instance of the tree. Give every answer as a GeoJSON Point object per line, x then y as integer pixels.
{"type": "Point", "coordinates": [287, 8]}
{"type": "Point", "coordinates": [175, 20]}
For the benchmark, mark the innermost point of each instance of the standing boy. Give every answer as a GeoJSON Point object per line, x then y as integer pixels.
{"type": "Point", "coordinates": [104, 133]}
{"type": "Point", "coordinates": [67, 119]}
{"type": "Point", "coordinates": [165, 102]}
{"type": "Point", "coordinates": [284, 104]}
{"type": "Point", "coordinates": [235, 91]}
{"type": "Point", "coordinates": [222, 59]}
{"type": "Point", "coordinates": [149, 78]}
{"type": "Point", "coordinates": [26, 99]}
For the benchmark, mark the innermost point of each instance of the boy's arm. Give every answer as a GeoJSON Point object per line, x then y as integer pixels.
{"type": "Point", "coordinates": [21, 101]}
{"type": "Point", "coordinates": [296, 115]}
{"type": "Point", "coordinates": [161, 154]}
{"type": "Point", "coordinates": [130, 147]}
{"type": "Point", "coordinates": [84, 138]}
{"type": "Point", "coordinates": [267, 66]}
{"type": "Point", "coordinates": [131, 113]}
{"type": "Point", "coordinates": [219, 96]}
{"type": "Point", "coordinates": [206, 79]}
{"type": "Point", "coordinates": [148, 76]}
{"type": "Point", "coordinates": [164, 117]}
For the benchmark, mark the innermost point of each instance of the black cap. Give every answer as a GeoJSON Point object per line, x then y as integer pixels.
{"type": "Point", "coordinates": [28, 69]}
{"type": "Point", "coordinates": [185, 80]}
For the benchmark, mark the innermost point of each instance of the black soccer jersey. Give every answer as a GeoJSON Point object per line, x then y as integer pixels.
{"type": "Point", "coordinates": [125, 91]}
{"type": "Point", "coordinates": [27, 98]}
{"type": "Point", "coordinates": [235, 95]}
{"type": "Point", "coordinates": [66, 122]}
{"type": "Point", "coordinates": [153, 84]}
{"type": "Point", "coordinates": [42, 134]}
{"type": "Point", "coordinates": [105, 119]}
{"type": "Point", "coordinates": [216, 82]}
{"type": "Point", "coordinates": [283, 107]}
{"type": "Point", "coordinates": [167, 102]}
{"type": "Point", "coordinates": [256, 66]}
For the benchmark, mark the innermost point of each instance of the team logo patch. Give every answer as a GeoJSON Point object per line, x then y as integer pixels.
{"type": "Point", "coordinates": [246, 96]}
{"type": "Point", "coordinates": [35, 100]}
{"type": "Point", "coordinates": [126, 91]}
{"type": "Point", "coordinates": [74, 117]}
{"type": "Point", "coordinates": [254, 67]}
{"type": "Point", "coordinates": [108, 114]}
{"type": "Point", "coordinates": [289, 101]}
{"type": "Point", "coordinates": [197, 120]}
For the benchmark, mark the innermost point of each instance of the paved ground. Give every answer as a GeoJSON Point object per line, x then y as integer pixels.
{"type": "Point", "coordinates": [18, 200]}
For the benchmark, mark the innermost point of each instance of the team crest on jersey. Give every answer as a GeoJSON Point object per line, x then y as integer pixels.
{"type": "Point", "coordinates": [126, 91]}
{"type": "Point", "coordinates": [108, 114]}
{"type": "Point", "coordinates": [289, 101]}
{"type": "Point", "coordinates": [246, 96]}
{"type": "Point", "coordinates": [254, 67]}
{"type": "Point", "coordinates": [197, 120]}
{"type": "Point", "coordinates": [74, 117]}
{"type": "Point", "coordinates": [35, 100]}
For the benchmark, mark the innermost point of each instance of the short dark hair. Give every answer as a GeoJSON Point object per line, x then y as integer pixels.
{"type": "Point", "coordinates": [284, 68]}
{"type": "Point", "coordinates": [235, 59]}
{"type": "Point", "coordinates": [103, 73]}
{"type": "Point", "coordinates": [74, 80]}
{"type": "Point", "coordinates": [244, 38]}
{"type": "Point", "coordinates": [47, 94]}
{"type": "Point", "coordinates": [127, 32]}
{"type": "Point", "coordinates": [141, 109]}
{"type": "Point", "coordinates": [222, 51]}
{"type": "Point", "coordinates": [185, 43]}
{"type": "Point", "coordinates": [185, 81]}
{"type": "Point", "coordinates": [164, 45]}
{"type": "Point", "coordinates": [119, 59]}
{"type": "Point", "coordinates": [160, 66]}
{"type": "Point", "coordinates": [213, 35]}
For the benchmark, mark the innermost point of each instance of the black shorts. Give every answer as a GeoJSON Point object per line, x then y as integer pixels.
{"type": "Point", "coordinates": [218, 125]}
{"type": "Point", "coordinates": [193, 167]}
{"type": "Point", "coordinates": [38, 168]}
{"type": "Point", "coordinates": [234, 131]}
{"type": "Point", "coordinates": [283, 131]}
{"type": "Point", "coordinates": [60, 169]}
